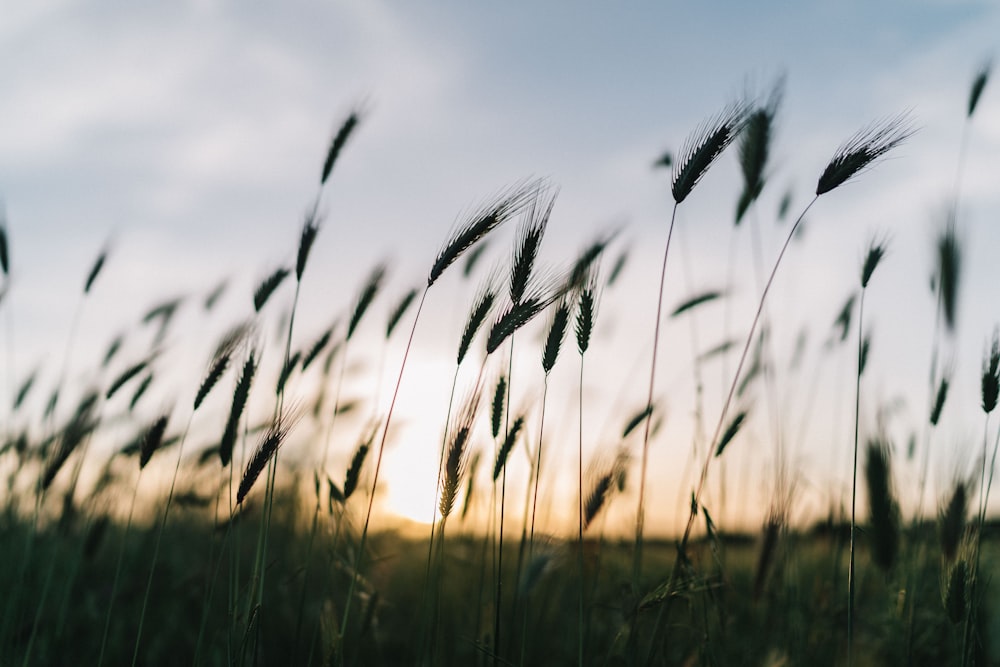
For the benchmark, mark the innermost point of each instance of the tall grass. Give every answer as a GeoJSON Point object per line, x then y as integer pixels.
{"type": "Point", "coordinates": [876, 251]}
{"type": "Point", "coordinates": [700, 150]}
{"type": "Point", "coordinates": [585, 314]}
{"type": "Point", "coordinates": [853, 157]}
{"type": "Point", "coordinates": [481, 222]}
{"type": "Point", "coordinates": [338, 586]}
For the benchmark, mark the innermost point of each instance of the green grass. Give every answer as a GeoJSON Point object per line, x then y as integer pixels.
{"type": "Point", "coordinates": [717, 619]}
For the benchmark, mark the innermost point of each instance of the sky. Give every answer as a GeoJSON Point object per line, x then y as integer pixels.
{"type": "Point", "coordinates": [187, 140]}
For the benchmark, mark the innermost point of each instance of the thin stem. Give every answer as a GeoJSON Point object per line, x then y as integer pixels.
{"type": "Point", "coordinates": [316, 509]}
{"type": "Point", "coordinates": [989, 481]}
{"type": "Point", "coordinates": [692, 318]}
{"type": "Point", "coordinates": [854, 484]}
{"type": "Point", "coordinates": [234, 544]}
{"type": "Point", "coordinates": [523, 542]}
{"type": "Point", "coordinates": [41, 606]}
{"type": "Point", "coordinates": [490, 519]}
{"type": "Point", "coordinates": [14, 596]}
{"type": "Point", "coordinates": [206, 605]}
{"type": "Point", "coordinates": [328, 579]}
{"type": "Point", "coordinates": [932, 397]}
{"type": "Point", "coordinates": [538, 468]}
{"type": "Point", "coordinates": [696, 502]}
{"type": "Point", "coordinates": [534, 505]}
{"type": "Point", "coordinates": [434, 496]}
{"type": "Point", "coordinates": [378, 466]}
{"type": "Point", "coordinates": [981, 505]}
{"type": "Point", "coordinates": [436, 606]}
{"type": "Point", "coordinates": [503, 495]}
{"type": "Point", "coordinates": [159, 538]}
{"type": "Point", "coordinates": [739, 370]}
{"type": "Point", "coordinates": [981, 517]}
{"type": "Point", "coordinates": [118, 571]}
{"type": "Point", "coordinates": [580, 516]}
{"type": "Point", "coordinates": [774, 408]}
{"type": "Point", "coordinates": [272, 473]}
{"type": "Point", "coordinates": [727, 307]}
{"type": "Point", "coordinates": [641, 512]}
{"type": "Point", "coordinates": [52, 565]}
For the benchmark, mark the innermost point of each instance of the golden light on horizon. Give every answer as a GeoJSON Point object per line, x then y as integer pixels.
{"type": "Point", "coordinates": [409, 488]}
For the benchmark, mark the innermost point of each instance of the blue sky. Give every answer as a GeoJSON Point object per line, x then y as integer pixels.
{"type": "Point", "coordinates": [189, 137]}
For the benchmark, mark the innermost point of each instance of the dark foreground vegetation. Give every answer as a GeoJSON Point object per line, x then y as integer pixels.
{"type": "Point", "coordinates": [742, 601]}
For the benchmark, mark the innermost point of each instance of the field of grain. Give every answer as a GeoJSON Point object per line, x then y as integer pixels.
{"type": "Point", "coordinates": [240, 516]}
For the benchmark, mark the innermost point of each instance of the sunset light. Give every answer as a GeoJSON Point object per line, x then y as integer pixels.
{"type": "Point", "coordinates": [373, 333]}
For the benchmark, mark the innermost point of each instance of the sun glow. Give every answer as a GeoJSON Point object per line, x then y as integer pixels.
{"type": "Point", "coordinates": [408, 493]}
{"type": "Point", "coordinates": [410, 464]}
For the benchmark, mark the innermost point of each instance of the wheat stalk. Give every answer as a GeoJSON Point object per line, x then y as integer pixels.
{"type": "Point", "coordinates": [853, 157]}
{"type": "Point", "coordinates": [481, 222]}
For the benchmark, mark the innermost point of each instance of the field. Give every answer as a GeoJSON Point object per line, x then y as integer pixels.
{"type": "Point", "coordinates": [722, 616]}
{"type": "Point", "coordinates": [132, 534]}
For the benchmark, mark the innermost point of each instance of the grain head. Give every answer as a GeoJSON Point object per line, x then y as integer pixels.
{"type": "Point", "coordinates": [482, 306]}
{"type": "Point", "coordinates": [240, 396]}
{"type": "Point", "coordinates": [703, 146]}
{"type": "Point", "coordinates": [876, 251]}
{"type": "Point", "coordinates": [755, 148]}
{"type": "Point", "coordinates": [883, 508]}
{"type": "Point", "coordinates": [991, 375]}
{"type": "Point", "coordinates": [267, 287]}
{"type": "Point", "coordinates": [95, 270]}
{"type": "Point", "coordinates": [939, 398]}
{"type": "Point", "coordinates": [863, 150]}
{"type": "Point", "coordinates": [734, 427]}
{"type": "Point", "coordinates": [338, 142]}
{"type": "Point", "coordinates": [490, 215]}
{"type": "Point", "coordinates": [951, 520]}
{"type": "Point", "coordinates": [366, 296]}
{"type": "Point", "coordinates": [316, 348]}
{"type": "Point", "coordinates": [554, 338]}
{"type": "Point", "coordinates": [497, 410]}
{"type": "Point", "coordinates": [978, 84]}
{"type": "Point", "coordinates": [528, 243]}
{"type": "Point", "coordinates": [353, 474]}
{"type": "Point", "coordinates": [508, 444]}
{"type": "Point", "coordinates": [397, 312]}
{"type": "Point", "coordinates": [267, 447]}
{"type": "Point", "coordinates": [310, 228]}
{"type": "Point", "coordinates": [152, 439]}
